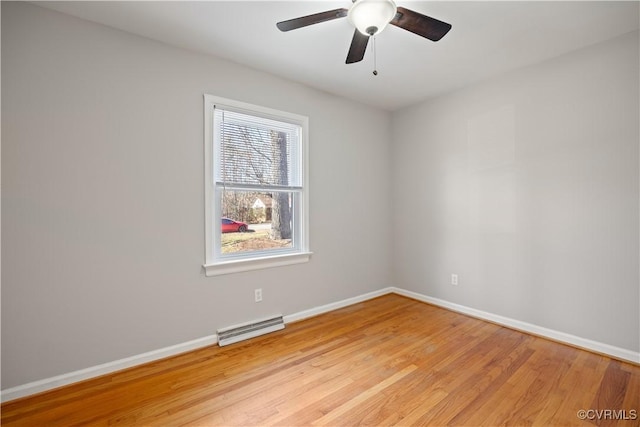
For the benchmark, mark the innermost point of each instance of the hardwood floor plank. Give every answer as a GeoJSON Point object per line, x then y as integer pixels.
{"type": "Point", "coordinates": [387, 361]}
{"type": "Point", "coordinates": [632, 397]}
{"type": "Point", "coordinates": [611, 393]}
{"type": "Point", "coordinates": [571, 384]}
{"type": "Point", "coordinates": [413, 417]}
{"type": "Point", "coordinates": [335, 416]}
{"type": "Point", "coordinates": [550, 369]}
{"type": "Point", "coordinates": [478, 391]}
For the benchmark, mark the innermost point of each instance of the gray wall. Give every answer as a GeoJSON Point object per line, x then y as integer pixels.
{"type": "Point", "coordinates": [526, 186]}
{"type": "Point", "coordinates": [103, 198]}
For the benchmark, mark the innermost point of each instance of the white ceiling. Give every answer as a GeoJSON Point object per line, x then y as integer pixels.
{"type": "Point", "coordinates": [487, 39]}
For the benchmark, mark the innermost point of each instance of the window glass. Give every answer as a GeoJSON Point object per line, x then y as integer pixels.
{"type": "Point", "coordinates": [255, 175]}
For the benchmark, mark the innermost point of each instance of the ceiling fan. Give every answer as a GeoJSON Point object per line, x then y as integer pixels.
{"type": "Point", "coordinates": [370, 17]}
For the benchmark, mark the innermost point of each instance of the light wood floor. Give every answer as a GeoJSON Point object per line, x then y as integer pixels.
{"type": "Point", "coordinates": [388, 361]}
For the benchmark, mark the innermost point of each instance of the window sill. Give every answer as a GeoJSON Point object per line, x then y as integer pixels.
{"type": "Point", "coordinates": [238, 266]}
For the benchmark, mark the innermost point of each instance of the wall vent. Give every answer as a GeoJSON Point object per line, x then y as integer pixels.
{"type": "Point", "coordinates": [248, 330]}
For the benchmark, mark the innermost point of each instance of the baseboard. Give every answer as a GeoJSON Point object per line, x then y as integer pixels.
{"type": "Point", "coordinates": [118, 365]}
{"type": "Point", "coordinates": [335, 305]}
{"type": "Point", "coordinates": [575, 341]}
{"type": "Point", "coordinates": [107, 368]}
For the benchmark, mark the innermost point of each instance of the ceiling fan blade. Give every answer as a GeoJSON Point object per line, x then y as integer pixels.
{"type": "Point", "coordinates": [316, 18]}
{"type": "Point", "coordinates": [358, 47]}
{"type": "Point", "coordinates": [420, 24]}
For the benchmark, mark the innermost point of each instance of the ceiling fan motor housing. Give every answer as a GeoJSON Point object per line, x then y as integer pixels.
{"type": "Point", "coordinates": [371, 16]}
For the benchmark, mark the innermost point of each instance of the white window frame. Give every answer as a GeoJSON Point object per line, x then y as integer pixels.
{"type": "Point", "coordinates": [217, 264]}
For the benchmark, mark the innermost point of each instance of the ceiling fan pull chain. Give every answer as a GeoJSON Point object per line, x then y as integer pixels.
{"type": "Point", "coordinates": [375, 66]}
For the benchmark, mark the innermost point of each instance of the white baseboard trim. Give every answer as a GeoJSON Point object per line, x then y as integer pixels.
{"type": "Point", "coordinates": [118, 365]}
{"type": "Point", "coordinates": [106, 368]}
{"type": "Point", "coordinates": [335, 305]}
{"type": "Point", "coordinates": [598, 347]}
{"type": "Point", "coordinates": [110, 367]}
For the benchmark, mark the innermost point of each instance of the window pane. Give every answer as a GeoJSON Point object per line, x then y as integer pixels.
{"type": "Point", "coordinates": [256, 196]}
{"type": "Point", "coordinates": [256, 151]}
{"type": "Point", "coordinates": [258, 221]}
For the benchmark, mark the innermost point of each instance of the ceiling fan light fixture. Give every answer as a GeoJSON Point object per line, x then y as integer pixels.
{"type": "Point", "coordinates": [371, 16]}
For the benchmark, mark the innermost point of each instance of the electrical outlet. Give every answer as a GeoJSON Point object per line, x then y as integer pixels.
{"type": "Point", "coordinates": [258, 295]}
{"type": "Point", "coordinates": [454, 279]}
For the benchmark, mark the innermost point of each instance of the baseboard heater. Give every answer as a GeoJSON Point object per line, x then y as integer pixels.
{"type": "Point", "coordinates": [248, 330]}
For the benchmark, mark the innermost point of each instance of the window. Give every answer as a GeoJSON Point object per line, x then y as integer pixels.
{"type": "Point", "coordinates": [256, 201]}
